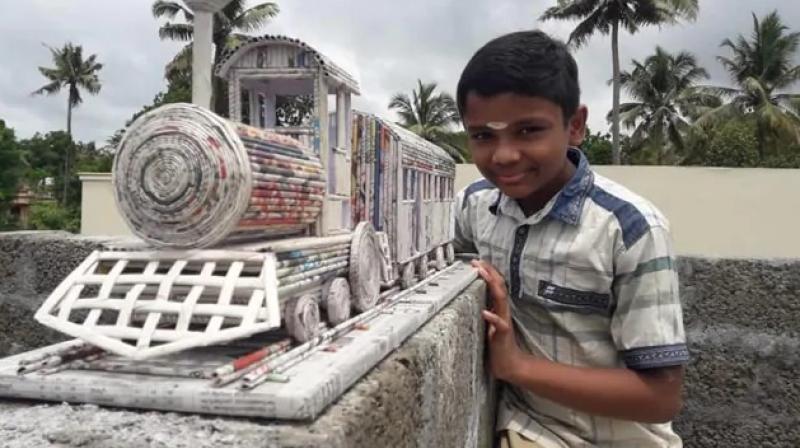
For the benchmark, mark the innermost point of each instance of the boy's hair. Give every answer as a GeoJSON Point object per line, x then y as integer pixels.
{"type": "Point", "coordinates": [529, 63]}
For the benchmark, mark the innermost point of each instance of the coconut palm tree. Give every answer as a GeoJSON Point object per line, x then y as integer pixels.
{"type": "Point", "coordinates": [73, 73]}
{"type": "Point", "coordinates": [607, 16]}
{"type": "Point", "coordinates": [430, 115]}
{"type": "Point", "coordinates": [663, 98]}
{"type": "Point", "coordinates": [231, 24]}
{"type": "Point", "coordinates": [763, 70]}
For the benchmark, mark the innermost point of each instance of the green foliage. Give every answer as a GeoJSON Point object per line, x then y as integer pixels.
{"type": "Point", "coordinates": [608, 17]}
{"type": "Point", "coordinates": [431, 115]}
{"type": "Point", "coordinates": [733, 145]}
{"type": "Point", "coordinates": [38, 163]}
{"type": "Point", "coordinates": [661, 89]}
{"type": "Point", "coordinates": [293, 110]}
{"type": "Point", "coordinates": [597, 148]}
{"type": "Point", "coordinates": [51, 216]}
{"type": "Point", "coordinates": [73, 73]}
{"type": "Point", "coordinates": [600, 16]}
{"type": "Point", "coordinates": [763, 69]}
{"type": "Point", "coordinates": [456, 143]}
{"type": "Point", "coordinates": [10, 168]}
{"type": "Point", "coordinates": [44, 156]}
{"type": "Point", "coordinates": [790, 158]}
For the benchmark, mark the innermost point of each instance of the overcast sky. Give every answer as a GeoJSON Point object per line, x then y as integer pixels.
{"type": "Point", "coordinates": [386, 44]}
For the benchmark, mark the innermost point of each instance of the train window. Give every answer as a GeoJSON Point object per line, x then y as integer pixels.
{"type": "Point", "coordinates": [405, 183]}
{"type": "Point", "coordinates": [427, 186]}
{"type": "Point", "coordinates": [413, 183]}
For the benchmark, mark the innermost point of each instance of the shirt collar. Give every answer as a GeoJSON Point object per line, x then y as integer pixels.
{"type": "Point", "coordinates": [565, 206]}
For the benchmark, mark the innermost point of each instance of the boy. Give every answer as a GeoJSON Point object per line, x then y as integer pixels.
{"type": "Point", "coordinates": [585, 330]}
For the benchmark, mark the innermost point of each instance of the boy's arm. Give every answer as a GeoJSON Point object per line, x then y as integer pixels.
{"type": "Point", "coordinates": [646, 327]}
{"type": "Point", "coordinates": [462, 231]}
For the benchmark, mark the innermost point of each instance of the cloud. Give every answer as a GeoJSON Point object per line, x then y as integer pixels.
{"type": "Point", "coordinates": [387, 45]}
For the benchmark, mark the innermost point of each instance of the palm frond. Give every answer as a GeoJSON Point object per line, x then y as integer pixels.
{"type": "Point", "coordinates": [402, 104]}
{"type": "Point", "coordinates": [168, 9]}
{"type": "Point", "coordinates": [570, 10]}
{"type": "Point", "coordinates": [49, 88]}
{"type": "Point", "coordinates": [595, 22]}
{"type": "Point", "coordinates": [176, 31]}
{"type": "Point", "coordinates": [255, 18]}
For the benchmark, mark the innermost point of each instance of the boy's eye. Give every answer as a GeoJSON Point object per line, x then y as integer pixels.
{"type": "Point", "coordinates": [528, 130]}
{"type": "Point", "coordinates": [480, 135]}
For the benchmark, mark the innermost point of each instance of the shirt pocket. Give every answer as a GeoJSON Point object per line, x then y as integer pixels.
{"type": "Point", "coordinates": [558, 298]}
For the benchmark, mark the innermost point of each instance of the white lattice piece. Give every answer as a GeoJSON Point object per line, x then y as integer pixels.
{"type": "Point", "coordinates": [142, 304]}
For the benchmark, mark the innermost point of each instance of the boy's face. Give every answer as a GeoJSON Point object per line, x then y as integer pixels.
{"type": "Point", "coordinates": [519, 143]}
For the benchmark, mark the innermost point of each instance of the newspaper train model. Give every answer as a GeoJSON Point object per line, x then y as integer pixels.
{"type": "Point", "coordinates": [294, 212]}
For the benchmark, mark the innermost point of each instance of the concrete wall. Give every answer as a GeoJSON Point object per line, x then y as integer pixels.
{"type": "Point", "coordinates": [99, 212]}
{"type": "Point", "coordinates": [714, 212]}
{"type": "Point", "coordinates": [710, 208]}
{"type": "Point", "coordinates": [742, 319]}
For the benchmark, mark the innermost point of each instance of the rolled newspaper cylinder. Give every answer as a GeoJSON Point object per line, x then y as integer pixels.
{"type": "Point", "coordinates": [184, 177]}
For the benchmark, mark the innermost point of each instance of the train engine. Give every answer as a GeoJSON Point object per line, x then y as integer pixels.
{"type": "Point", "coordinates": [297, 212]}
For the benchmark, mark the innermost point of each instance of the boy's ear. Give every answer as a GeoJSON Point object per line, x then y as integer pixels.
{"type": "Point", "coordinates": [577, 126]}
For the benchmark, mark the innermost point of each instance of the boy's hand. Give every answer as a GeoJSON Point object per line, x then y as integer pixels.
{"type": "Point", "coordinates": [504, 353]}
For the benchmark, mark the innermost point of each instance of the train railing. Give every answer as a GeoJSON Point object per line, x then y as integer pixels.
{"type": "Point", "coordinates": [304, 134]}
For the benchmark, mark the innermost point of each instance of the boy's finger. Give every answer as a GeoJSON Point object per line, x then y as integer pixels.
{"type": "Point", "coordinates": [493, 271]}
{"type": "Point", "coordinates": [491, 277]}
{"type": "Point", "coordinates": [497, 288]}
{"type": "Point", "coordinates": [497, 322]}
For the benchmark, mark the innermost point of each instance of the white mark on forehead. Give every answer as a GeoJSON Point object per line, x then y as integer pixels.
{"type": "Point", "coordinates": [497, 125]}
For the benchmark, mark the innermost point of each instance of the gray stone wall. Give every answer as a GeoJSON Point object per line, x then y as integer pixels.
{"type": "Point", "coordinates": [431, 392]}
{"type": "Point", "coordinates": [32, 264]}
{"type": "Point", "coordinates": [743, 324]}
{"type": "Point", "coordinates": [742, 319]}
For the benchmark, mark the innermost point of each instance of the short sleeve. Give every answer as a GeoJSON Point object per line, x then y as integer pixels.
{"type": "Point", "coordinates": [463, 239]}
{"type": "Point", "coordinates": [647, 322]}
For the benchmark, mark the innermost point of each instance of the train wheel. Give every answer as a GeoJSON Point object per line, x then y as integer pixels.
{"type": "Point", "coordinates": [365, 267]}
{"type": "Point", "coordinates": [450, 253]}
{"type": "Point", "coordinates": [441, 263]}
{"type": "Point", "coordinates": [408, 279]}
{"type": "Point", "coordinates": [422, 267]}
{"type": "Point", "coordinates": [336, 299]}
{"type": "Point", "coordinates": [302, 318]}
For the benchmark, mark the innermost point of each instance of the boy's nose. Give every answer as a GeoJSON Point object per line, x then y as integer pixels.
{"type": "Point", "coordinates": [505, 153]}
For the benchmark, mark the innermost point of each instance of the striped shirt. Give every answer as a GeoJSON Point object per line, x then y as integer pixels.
{"type": "Point", "coordinates": [592, 282]}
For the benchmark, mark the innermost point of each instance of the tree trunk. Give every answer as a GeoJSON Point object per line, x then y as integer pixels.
{"type": "Point", "coordinates": [66, 151]}
{"type": "Point", "coordinates": [615, 148]}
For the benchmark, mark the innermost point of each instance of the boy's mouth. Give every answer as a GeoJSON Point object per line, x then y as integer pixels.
{"type": "Point", "coordinates": [510, 178]}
